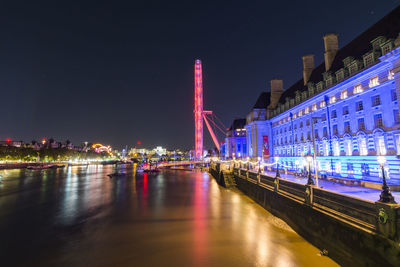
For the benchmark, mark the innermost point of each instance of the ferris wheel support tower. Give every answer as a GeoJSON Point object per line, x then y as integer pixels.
{"type": "Point", "coordinates": [199, 113]}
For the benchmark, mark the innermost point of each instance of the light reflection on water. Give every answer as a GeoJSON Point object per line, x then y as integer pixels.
{"type": "Point", "coordinates": [78, 215]}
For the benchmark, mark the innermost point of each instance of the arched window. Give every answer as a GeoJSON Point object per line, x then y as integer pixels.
{"type": "Point", "coordinates": [326, 147]}
{"type": "Point", "coordinates": [348, 147]}
{"type": "Point", "coordinates": [336, 147]}
{"type": "Point", "coordinates": [380, 142]}
{"type": "Point", "coordinates": [362, 144]}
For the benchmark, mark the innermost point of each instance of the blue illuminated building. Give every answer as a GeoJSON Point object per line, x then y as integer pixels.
{"type": "Point", "coordinates": [348, 105]}
{"type": "Point", "coordinates": [235, 141]}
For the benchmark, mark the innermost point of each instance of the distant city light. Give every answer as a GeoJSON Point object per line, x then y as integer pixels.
{"type": "Point", "coordinates": [98, 148]}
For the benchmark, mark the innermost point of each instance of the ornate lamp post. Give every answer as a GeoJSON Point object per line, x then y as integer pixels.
{"type": "Point", "coordinates": [259, 163]}
{"type": "Point", "coordinates": [277, 168]}
{"type": "Point", "coordinates": [386, 196]}
{"type": "Point", "coordinates": [248, 163]}
{"type": "Point", "coordinates": [309, 180]}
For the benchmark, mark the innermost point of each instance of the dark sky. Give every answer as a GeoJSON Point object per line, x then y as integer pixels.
{"type": "Point", "coordinates": [121, 71]}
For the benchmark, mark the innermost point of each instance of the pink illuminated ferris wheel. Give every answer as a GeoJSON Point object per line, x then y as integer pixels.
{"type": "Point", "coordinates": [200, 114]}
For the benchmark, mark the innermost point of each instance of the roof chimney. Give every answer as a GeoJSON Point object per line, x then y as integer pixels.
{"type": "Point", "coordinates": [331, 48]}
{"type": "Point", "coordinates": [308, 66]}
{"type": "Point", "coordinates": [276, 92]}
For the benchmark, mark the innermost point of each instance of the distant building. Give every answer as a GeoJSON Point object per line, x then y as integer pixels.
{"type": "Point", "coordinates": [235, 141]}
{"type": "Point", "coordinates": [348, 105]}
{"type": "Point", "coordinates": [160, 151]}
{"type": "Point", "coordinates": [12, 143]}
{"type": "Point", "coordinates": [256, 126]}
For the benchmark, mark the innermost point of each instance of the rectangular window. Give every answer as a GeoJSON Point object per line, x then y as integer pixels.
{"type": "Point", "coordinates": [322, 104]}
{"type": "Point", "coordinates": [306, 110]}
{"type": "Point", "coordinates": [301, 124]}
{"type": "Point", "coordinates": [308, 136]}
{"type": "Point", "coordinates": [345, 110]}
{"type": "Point", "coordinates": [300, 112]}
{"type": "Point", "coordinates": [308, 122]}
{"type": "Point", "coordinates": [347, 127]}
{"type": "Point", "coordinates": [323, 117]}
{"type": "Point", "coordinates": [365, 169]}
{"type": "Point", "coordinates": [325, 132]}
{"type": "Point", "coordinates": [397, 137]}
{"type": "Point", "coordinates": [335, 129]}
{"type": "Point", "coordinates": [396, 116]}
{"type": "Point", "coordinates": [334, 114]}
{"type": "Point", "coordinates": [386, 49]}
{"type": "Point", "coordinates": [381, 146]}
{"type": "Point", "coordinates": [359, 106]}
{"type": "Point", "coordinates": [316, 133]}
{"type": "Point", "coordinates": [361, 124]}
{"type": "Point", "coordinates": [376, 100]}
{"type": "Point", "coordinates": [350, 168]}
{"type": "Point", "coordinates": [368, 60]}
{"type": "Point", "coordinates": [343, 94]}
{"type": "Point", "coordinates": [394, 95]}
{"type": "Point", "coordinates": [353, 68]}
{"type": "Point", "coordinates": [374, 81]}
{"type": "Point", "coordinates": [357, 89]}
{"type": "Point", "coordinates": [378, 121]}
{"type": "Point", "coordinates": [332, 99]}
{"type": "Point", "coordinates": [314, 107]}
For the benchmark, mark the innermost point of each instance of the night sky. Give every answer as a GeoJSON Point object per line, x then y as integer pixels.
{"type": "Point", "coordinates": [117, 72]}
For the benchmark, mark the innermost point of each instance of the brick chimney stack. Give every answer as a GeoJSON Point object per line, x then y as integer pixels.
{"type": "Point", "coordinates": [331, 48]}
{"type": "Point", "coordinates": [308, 67]}
{"type": "Point", "coordinates": [276, 92]}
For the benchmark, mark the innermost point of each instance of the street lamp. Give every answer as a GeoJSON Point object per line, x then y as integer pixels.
{"type": "Point", "coordinates": [259, 161]}
{"type": "Point", "coordinates": [309, 180]}
{"type": "Point", "coordinates": [248, 163]}
{"type": "Point", "coordinates": [313, 119]}
{"type": "Point", "coordinates": [277, 168]}
{"type": "Point", "coordinates": [386, 196]}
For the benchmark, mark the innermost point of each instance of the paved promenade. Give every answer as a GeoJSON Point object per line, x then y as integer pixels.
{"type": "Point", "coordinates": [354, 191]}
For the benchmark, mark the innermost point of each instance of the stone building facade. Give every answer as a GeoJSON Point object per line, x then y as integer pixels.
{"type": "Point", "coordinates": [235, 141]}
{"type": "Point", "coordinates": [348, 105]}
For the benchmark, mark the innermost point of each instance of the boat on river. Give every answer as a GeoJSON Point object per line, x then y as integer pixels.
{"type": "Point", "coordinates": [78, 163]}
{"type": "Point", "coordinates": [45, 166]}
{"type": "Point", "coordinates": [116, 174]}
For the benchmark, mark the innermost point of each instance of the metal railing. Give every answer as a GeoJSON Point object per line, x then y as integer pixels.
{"type": "Point", "coordinates": [358, 211]}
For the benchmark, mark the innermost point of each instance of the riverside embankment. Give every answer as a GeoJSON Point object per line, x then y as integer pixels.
{"type": "Point", "coordinates": [353, 231]}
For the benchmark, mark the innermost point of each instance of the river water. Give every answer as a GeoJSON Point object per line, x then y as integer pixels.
{"type": "Point", "coordinates": [78, 216]}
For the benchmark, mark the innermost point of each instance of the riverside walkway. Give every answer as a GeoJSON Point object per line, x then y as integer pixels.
{"type": "Point", "coordinates": [354, 191]}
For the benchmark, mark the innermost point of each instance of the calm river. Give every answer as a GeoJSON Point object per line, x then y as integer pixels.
{"type": "Point", "coordinates": [77, 216]}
